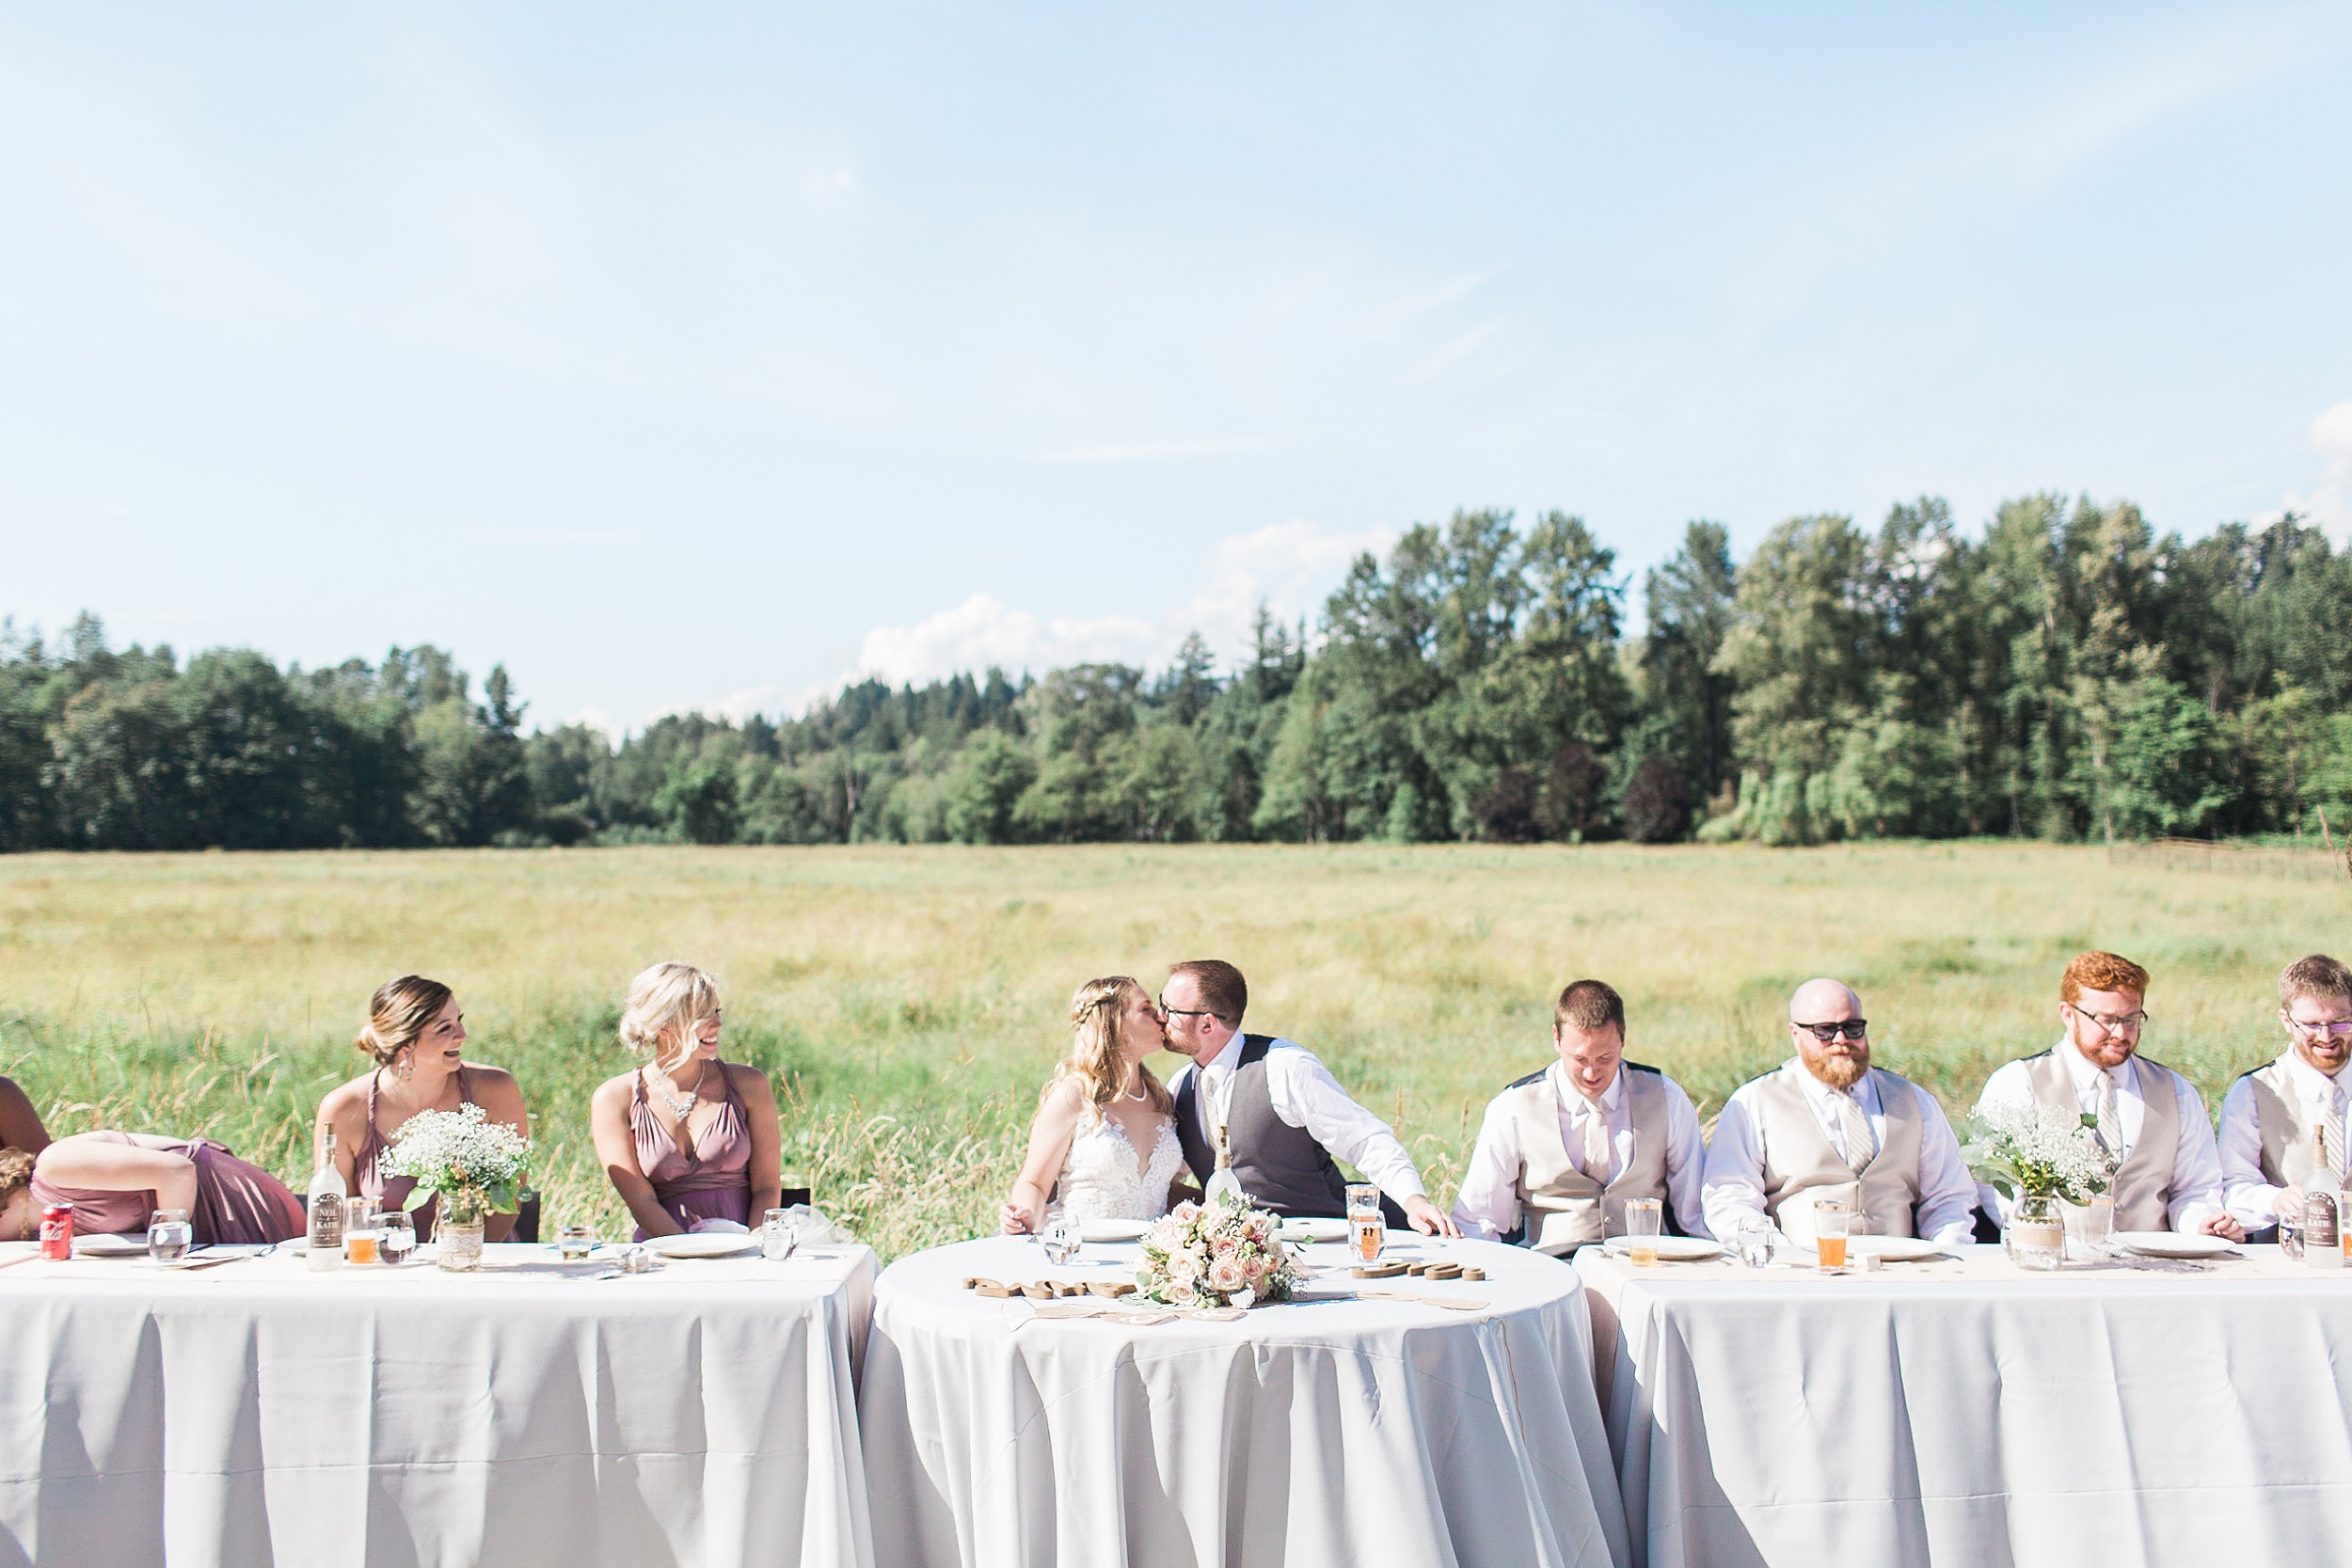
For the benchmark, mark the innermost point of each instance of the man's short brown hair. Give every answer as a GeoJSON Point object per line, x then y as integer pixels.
{"type": "Point", "coordinates": [1589, 1005]}
{"type": "Point", "coordinates": [1223, 992]}
{"type": "Point", "coordinates": [2096, 971]}
{"type": "Point", "coordinates": [2315, 974]}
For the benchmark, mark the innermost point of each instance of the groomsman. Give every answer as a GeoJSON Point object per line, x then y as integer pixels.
{"type": "Point", "coordinates": [2148, 1116]}
{"type": "Point", "coordinates": [1562, 1151]}
{"type": "Point", "coordinates": [1827, 1125]}
{"type": "Point", "coordinates": [2276, 1118]}
{"type": "Point", "coordinates": [1284, 1115]}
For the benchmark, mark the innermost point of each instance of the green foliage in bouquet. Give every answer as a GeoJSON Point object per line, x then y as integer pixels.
{"type": "Point", "coordinates": [2039, 1152]}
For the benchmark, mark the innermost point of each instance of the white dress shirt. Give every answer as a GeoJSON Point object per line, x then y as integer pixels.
{"type": "Point", "coordinates": [1488, 1206]}
{"type": "Point", "coordinates": [1735, 1162]}
{"type": "Point", "coordinates": [1305, 1096]}
{"type": "Point", "coordinates": [2249, 1196]}
{"type": "Point", "coordinates": [2196, 1194]}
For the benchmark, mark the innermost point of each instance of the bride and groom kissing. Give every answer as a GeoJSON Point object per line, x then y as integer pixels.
{"type": "Point", "coordinates": [1110, 1141]}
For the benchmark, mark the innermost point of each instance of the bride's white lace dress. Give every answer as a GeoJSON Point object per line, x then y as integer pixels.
{"type": "Point", "coordinates": [1104, 1177]}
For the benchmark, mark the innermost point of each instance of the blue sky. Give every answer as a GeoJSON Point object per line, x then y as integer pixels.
{"type": "Point", "coordinates": [700, 357]}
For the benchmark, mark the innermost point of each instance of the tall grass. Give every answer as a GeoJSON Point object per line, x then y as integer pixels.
{"type": "Point", "coordinates": [907, 1002]}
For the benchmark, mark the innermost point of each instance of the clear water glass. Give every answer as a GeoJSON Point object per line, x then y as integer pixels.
{"type": "Point", "coordinates": [1643, 1217]}
{"type": "Point", "coordinates": [779, 1235]}
{"type": "Point", "coordinates": [1752, 1242]}
{"type": "Point", "coordinates": [169, 1235]}
{"type": "Point", "coordinates": [1060, 1238]}
{"type": "Point", "coordinates": [396, 1237]}
{"type": "Point", "coordinates": [2094, 1223]}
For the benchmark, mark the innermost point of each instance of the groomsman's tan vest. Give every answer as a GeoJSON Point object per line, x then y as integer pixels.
{"type": "Point", "coordinates": [1564, 1209]}
{"type": "Point", "coordinates": [1801, 1166]}
{"type": "Point", "coordinates": [2286, 1122]}
{"type": "Point", "coordinates": [2143, 1188]}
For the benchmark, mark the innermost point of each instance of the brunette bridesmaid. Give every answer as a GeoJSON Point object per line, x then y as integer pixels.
{"type": "Point", "coordinates": [686, 1138]}
{"type": "Point", "coordinates": [115, 1182]}
{"type": "Point", "coordinates": [416, 1038]}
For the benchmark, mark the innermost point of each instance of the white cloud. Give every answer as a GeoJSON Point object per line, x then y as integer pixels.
{"type": "Point", "coordinates": [1288, 566]}
{"type": "Point", "coordinates": [2330, 505]}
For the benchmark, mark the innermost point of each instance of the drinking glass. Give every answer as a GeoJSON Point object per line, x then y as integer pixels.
{"type": "Point", "coordinates": [2095, 1221]}
{"type": "Point", "coordinates": [779, 1234]}
{"type": "Point", "coordinates": [1754, 1243]}
{"type": "Point", "coordinates": [1830, 1221]}
{"type": "Point", "coordinates": [1060, 1238]}
{"type": "Point", "coordinates": [169, 1235]}
{"type": "Point", "coordinates": [1366, 1229]}
{"type": "Point", "coordinates": [1643, 1216]}
{"type": "Point", "coordinates": [574, 1242]}
{"type": "Point", "coordinates": [396, 1237]}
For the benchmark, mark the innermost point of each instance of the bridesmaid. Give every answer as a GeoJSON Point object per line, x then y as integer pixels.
{"type": "Point", "coordinates": [687, 1138]}
{"type": "Point", "coordinates": [19, 1124]}
{"type": "Point", "coordinates": [116, 1180]}
{"type": "Point", "coordinates": [416, 1038]}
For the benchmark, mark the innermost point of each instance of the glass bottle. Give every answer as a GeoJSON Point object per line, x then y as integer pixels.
{"type": "Point", "coordinates": [1222, 1181]}
{"type": "Point", "coordinates": [326, 1209]}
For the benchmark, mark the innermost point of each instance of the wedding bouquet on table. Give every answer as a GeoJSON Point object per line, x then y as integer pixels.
{"type": "Point", "coordinates": [2042, 1159]}
{"type": "Point", "coordinates": [1216, 1254]}
{"type": "Point", "coordinates": [473, 1165]}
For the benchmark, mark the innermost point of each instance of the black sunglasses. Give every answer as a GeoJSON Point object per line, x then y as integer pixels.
{"type": "Point", "coordinates": [1854, 1029]}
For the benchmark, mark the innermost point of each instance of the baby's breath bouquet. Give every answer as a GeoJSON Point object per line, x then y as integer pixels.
{"type": "Point", "coordinates": [1216, 1254]}
{"type": "Point", "coordinates": [475, 1165]}
{"type": "Point", "coordinates": [2035, 1151]}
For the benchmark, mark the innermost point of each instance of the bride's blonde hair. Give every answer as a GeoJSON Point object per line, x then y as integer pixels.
{"type": "Point", "coordinates": [1094, 1061]}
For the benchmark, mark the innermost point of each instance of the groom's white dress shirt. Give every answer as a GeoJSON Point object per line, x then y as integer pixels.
{"type": "Point", "coordinates": [2253, 1202]}
{"type": "Point", "coordinates": [1307, 1097]}
{"type": "Point", "coordinates": [1488, 1204]}
{"type": "Point", "coordinates": [1735, 1161]}
{"type": "Point", "coordinates": [2196, 1194]}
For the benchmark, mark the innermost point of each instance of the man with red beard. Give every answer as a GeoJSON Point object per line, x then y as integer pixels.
{"type": "Point", "coordinates": [1829, 1126]}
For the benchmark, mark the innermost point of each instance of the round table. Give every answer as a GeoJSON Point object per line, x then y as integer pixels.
{"type": "Point", "coordinates": [1343, 1430]}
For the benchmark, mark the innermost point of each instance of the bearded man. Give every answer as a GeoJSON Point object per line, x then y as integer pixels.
{"type": "Point", "coordinates": [1829, 1126]}
{"type": "Point", "coordinates": [2283, 1125]}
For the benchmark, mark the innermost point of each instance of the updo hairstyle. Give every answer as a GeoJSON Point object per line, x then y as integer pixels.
{"type": "Point", "coordinates": [398, 1016]}
{"type": "Point", "coordinates": [666, 1003]}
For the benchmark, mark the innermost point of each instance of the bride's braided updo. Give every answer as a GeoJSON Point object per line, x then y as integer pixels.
{"type": "Point", "coordinates": [1095, 1032]}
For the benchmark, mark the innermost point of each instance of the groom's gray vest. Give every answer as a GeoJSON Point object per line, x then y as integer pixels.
{"type": "Point", "coordinates": [1280, 1166]}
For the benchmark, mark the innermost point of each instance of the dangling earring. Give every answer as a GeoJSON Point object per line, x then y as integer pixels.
{"type": "Point", "coordinates": [405, 1064]}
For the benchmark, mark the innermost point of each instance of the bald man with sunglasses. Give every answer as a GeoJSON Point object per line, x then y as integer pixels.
{"type": "Point", "coordinates": [1827, 1125]}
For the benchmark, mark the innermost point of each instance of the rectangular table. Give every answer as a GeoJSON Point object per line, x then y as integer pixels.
{"type": "Point", "coordinates": [702, 1414]}
{"type": "Point", "coordinates": [1970, 1411]}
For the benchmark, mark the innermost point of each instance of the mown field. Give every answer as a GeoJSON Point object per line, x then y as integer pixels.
{"type": "Point", "coordinates": [908, 1002]}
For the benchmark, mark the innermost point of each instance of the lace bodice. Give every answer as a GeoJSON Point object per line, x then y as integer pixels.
{"type": "Point", "coordinates": [1099, 1179]}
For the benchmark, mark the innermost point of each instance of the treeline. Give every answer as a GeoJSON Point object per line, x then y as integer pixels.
{"type": "Point", "coordinates": [2068, 674]}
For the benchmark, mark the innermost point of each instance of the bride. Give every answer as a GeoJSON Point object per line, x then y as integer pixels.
{"type": "Point", "coordinates": [1105, 1135]}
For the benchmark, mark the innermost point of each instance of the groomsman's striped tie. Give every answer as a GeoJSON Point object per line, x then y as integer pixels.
{"type": "Point", "coordinates": [2332, 1125]}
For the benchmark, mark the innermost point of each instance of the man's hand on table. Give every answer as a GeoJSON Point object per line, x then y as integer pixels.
{"type": "Point", "coordinates": [1428, 1218]}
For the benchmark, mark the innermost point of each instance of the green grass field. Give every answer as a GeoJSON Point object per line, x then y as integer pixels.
{"type": "Point", "coordinates": [909, 1001]}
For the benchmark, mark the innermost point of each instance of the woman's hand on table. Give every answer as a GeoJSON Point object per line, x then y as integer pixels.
{"type": "Point", "coordinates": [1012, 1220]}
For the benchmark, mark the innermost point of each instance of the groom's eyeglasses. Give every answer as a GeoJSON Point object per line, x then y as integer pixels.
{"type": "Point", "coordinates": [1183, 1012]}
{"type": "Point", "coordinates": [1853, 1028]}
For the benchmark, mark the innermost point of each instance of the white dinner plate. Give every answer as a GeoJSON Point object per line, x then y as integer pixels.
{"type": "Point", "coordinates": [1900, 1249]}
{"type": "Point", "coordinates": [1674, 1250]}
{"type": "Point", "coordinates": [1302, 1229]}
{"type": "Point", "coordinates": [110, 1246]}
{"type": "Point", "coordinates": [706, 1244]}
{"type": "Point", "coordinates": [2166, 1243]}
{"type": "Point", "coordinates": [1113, 1230]}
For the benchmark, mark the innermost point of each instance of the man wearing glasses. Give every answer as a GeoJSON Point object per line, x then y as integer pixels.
{"type": "Point", "coordinates": [1282, 1112]}
{"type": "Point", "coordinates": [1829, 1126]}
{"type": "Point", "coordinates": [2283, 1125]}
{"type": "Point", "coordinates": [2150, 1118]}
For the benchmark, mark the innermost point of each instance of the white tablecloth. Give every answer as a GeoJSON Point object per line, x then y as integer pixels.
{"type": "Point", "coordinates": [1972, 1413]}
{"type": "Point", "coordinates": [1343, 1432]}
{"type": "Point", "coordinates": [254, 1412]}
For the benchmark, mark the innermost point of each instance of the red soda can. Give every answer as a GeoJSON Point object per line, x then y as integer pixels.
{"type": "Point", "coordinates": [56, 1231]}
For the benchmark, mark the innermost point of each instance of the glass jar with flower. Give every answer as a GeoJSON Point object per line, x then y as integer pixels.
{"type": "Point", "coordinates": [475, 1166]}
{"type": "Point", "coordinates": [2043, 1159]}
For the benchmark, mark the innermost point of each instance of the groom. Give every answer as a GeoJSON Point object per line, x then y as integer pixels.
{"type": "Point", "coordinates": [1284, 1115]}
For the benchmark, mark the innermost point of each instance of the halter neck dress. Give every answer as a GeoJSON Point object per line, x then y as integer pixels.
{"type": "Point", "coordinates": [713, 1181]}
{"type": "Point", "coordinates": [235, 1202]}
{"type": "Point", "coordinates": [390, 1191]}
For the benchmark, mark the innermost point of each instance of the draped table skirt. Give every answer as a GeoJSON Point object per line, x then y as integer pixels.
{"type": "Point", "coordinates": [1341, 1431]}
{"type": "Point", "coordinates": [1974, 1413]}
{"type": "Point", "coordinates": [702, 1414]}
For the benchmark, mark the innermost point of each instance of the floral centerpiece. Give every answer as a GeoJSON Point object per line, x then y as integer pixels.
{"type": "Point", "coordinates": [2042, 1159]}
{"type": "Point", "coordinates": [1217, 1254]}
{"type": "Point", "coordinates": [474, 1165]}
{"type": "Point", "coordinates": [2037, 1151]}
